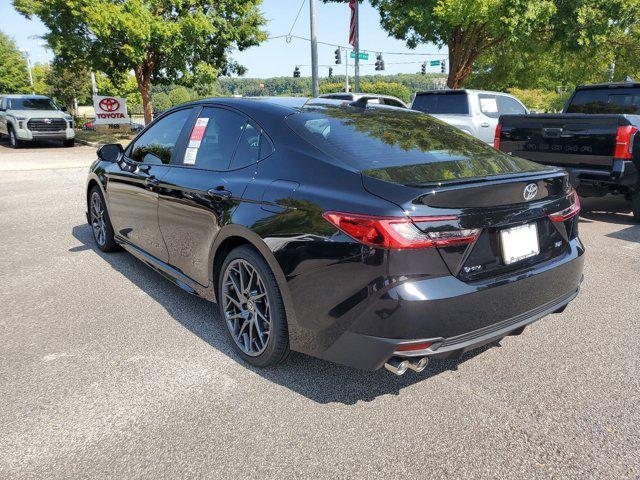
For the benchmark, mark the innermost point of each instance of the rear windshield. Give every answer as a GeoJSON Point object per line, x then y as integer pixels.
{"type": "Point", "coordinates": [31, 104]}
{"type": "Point", "coordinates": [401, 146]}
{"type": "Point", "coordinates": [616, 100]}
{"type": "Point", "coordinates": [442, 103]}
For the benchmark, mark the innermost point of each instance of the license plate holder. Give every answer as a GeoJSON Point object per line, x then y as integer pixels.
{"type": "Point", "coordinates": [519, 243]}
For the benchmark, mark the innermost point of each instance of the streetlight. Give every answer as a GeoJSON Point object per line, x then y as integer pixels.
{"type": "Point", "coordinates": [26, 54]}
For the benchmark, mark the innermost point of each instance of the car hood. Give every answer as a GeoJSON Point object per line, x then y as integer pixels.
{"type": "Point", "coordinates": [38, 113]}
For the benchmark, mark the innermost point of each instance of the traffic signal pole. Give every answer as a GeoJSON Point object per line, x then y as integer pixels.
{"type": "Point", "coordinates": [314, 48]}
{"type": "Point", "coordinates": [357, 49]}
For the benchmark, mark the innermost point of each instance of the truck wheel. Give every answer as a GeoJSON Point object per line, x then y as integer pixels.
{"type": "Point", "coordinates": [69, 143]}
{"type": "Point", "coordinates": [14, 142]}
{"type": "Point", "coordinates": [635, 205]}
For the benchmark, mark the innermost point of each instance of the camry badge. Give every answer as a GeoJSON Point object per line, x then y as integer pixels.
{"type": "Point", "coordinates": [530, 191]}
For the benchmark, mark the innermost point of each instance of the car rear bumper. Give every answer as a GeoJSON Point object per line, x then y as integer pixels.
{"type": "Point", "coordinates": [623, 174]}
{"type": "Point", "coordinates": [456, 316]}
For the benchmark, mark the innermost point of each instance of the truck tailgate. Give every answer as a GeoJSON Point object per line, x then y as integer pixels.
{"type": "Point", "coordinates": [572, 140]}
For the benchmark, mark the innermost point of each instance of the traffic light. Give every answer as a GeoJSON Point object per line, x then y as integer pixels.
{"type": "Point", "coordinates": [423, 68]}
{"type": "Point", "coordinates": [338, 56]}
{"type": "Point", "coordinates": [330, 72]}
{"type": "Point", "coordinates": [296, 72]}
{"type": "Point", "coordinates": [443, 67]}
{"type": "Point", "coordinates": [379, 62]}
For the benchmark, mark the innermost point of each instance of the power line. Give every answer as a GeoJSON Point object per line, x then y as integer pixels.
{"type": "Point", "coordinates": [295, 20]}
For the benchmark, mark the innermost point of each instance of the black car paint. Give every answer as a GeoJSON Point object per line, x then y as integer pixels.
{"type": "Point", "coordinates": [345, 301]}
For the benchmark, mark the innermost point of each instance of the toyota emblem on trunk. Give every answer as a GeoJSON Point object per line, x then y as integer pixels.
{"type": "Point", "coordinates": [530, 191]}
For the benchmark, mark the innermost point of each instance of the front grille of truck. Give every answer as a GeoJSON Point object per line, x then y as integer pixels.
{"type": "Point", "coordinates": [47, 124]}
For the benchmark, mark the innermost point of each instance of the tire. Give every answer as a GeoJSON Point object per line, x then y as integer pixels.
{"type": "Point", "coordinates": [14, 142]}
{"type": "Point", "coordinates": [100, 222]}
{"type": "Point", "coordinates": [69, 143]}
{"type": "Point", "coordinates": [635, 205]}
{"type": "Point", "coordinates": [263, 313]}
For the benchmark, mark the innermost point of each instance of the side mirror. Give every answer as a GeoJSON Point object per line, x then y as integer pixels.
{"type": "Point", "coordinates": [63, 108]}
{"type": "Point", "coordinates": [111, 153]}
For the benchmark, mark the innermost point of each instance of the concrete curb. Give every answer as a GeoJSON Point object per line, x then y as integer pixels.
{"type": "Point", "coordinates": [89, 144]}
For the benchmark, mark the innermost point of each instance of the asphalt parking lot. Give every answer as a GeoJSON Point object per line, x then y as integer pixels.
{"type": "Point", "coordinates": [107, 370]}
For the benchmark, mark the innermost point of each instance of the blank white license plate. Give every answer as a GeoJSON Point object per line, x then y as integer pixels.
{"type": "Point", "coordinates": [519, 243]}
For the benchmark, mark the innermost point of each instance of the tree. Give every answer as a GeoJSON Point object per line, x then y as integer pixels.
{"type": "Point", "coordinates": [179, 95]}
{"type": "Point", "coordinates": [14, 77]}
{"type": "Point", "coordinates": [159, 40]}
{"type": "Point", "coordinates": [473, 29]}
{"type": "Point", "coordinates": [68, 85]}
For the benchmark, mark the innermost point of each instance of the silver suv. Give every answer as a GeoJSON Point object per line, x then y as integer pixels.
{"type": "Point", "coordinates": [25, 118]}
{"type": "Point", "coordinates": [475, 112]}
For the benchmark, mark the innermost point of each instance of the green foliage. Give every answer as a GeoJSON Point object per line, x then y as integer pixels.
{"type": "Point", "coordinates": [179, 95]}
{"type": "Point", "coordinates": [161, 102]}
{"type": "Point", "coordinates": [14, 77]}
{"type": "Point", "coordinates": [66, 84]}
{"type": "Point", "coordinates": [539, 100]}
{"type": "Point", "coordinates": [161, 41]}
{"type": "Point", "coordinates": [118, 86]}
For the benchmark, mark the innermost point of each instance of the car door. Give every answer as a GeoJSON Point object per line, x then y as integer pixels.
{"type": "Point", "coordinates": [205, 185]}
{"type": "Point", "coordinates": [488, 116]}
{"type": "Point", "coordinates": [132, 187]}
{"type": "Point", "coordinates": [3, 115]}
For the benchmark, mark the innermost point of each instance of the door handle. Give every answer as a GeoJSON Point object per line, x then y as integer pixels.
{"type": "Point", "coordinates": [151, 182]}
{"type": "Point", "coordinates": [219, 193]}
{"type": "Point", "coordinates": [484, 124]}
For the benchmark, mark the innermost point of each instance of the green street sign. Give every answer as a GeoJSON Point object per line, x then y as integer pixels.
{"type": "Point", "coordinates": [361, 55]}
{"type": "Point", "coordinates": [434, 63]}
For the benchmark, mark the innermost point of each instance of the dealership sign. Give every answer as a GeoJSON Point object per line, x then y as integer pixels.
{"type": "Point", "coordinates": [110, 110]}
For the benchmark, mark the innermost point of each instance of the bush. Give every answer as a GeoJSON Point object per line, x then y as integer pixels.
{"type": "Point", "coordinates": [541, 100]}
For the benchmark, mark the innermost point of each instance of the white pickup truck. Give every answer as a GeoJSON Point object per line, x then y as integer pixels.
{"type": "Point", "coordinates": [26, 118]}
{"type": "Point", "coordinates": [475, 112]}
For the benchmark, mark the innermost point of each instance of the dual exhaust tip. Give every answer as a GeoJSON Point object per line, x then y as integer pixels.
{"type": "Point", "coordinates": [399, 365]}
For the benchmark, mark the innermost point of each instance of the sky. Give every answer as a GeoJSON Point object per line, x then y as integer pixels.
{"type": "Point", "coordinates": [276, 57]}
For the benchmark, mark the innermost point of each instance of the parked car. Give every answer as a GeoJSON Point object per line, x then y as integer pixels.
{"type": "Point", "coordinates": [26, 118]}
{"type": "Point", "coordinates": [364, 235]}
{"type": "Point", "coordinates": [89, 126]}
{"type": "Point", "coordinates": [373, 98]}
{"type": "Point", "coordinates": [595, 139]}
{"type": "Point", "coordinates": [475, 112]}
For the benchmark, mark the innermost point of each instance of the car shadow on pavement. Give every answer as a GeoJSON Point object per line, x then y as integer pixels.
{"type": "Point", "coordinates": [610, 209]}
{"type": "Point", "coordinates": [318, 380]}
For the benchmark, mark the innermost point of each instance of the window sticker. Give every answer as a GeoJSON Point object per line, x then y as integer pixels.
{"type": "Point", "coordinates": [488, 105]}
{"type": "Point", "coordinates": [190, 155]}
{"type": "Point", "coordinates": [198, 133]}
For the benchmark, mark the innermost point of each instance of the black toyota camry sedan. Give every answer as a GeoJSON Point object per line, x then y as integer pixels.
{"type": "Point", "coordinates": [362, 234]}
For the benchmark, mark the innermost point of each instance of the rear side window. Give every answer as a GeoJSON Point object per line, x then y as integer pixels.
{"type": "Point", "coordinates": [488, 105]}
{"type": "Point", "coordinates": [213, 139]}
{"type": "Point", "coordinates": [621, 101]}
{"type": "Point", "coordinates": [158, 142]}
{"type": "Point", "coordinates": [248, 149]}
{"type": "Point", "coordinates": [442, 103]}
{"type": "Point", "coordinates": [510, 106]}
{"type": "Point", "coordinates": [400, 145]}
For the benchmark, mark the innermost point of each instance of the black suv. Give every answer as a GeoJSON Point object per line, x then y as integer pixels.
{"type": "Point", "coordinates": [365, 235]}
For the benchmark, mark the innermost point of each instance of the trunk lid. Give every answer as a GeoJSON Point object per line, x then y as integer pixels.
{"type": "Point", "coordinates": [491, 205]}
{"type": "Point", "coordinates": [573, 140]}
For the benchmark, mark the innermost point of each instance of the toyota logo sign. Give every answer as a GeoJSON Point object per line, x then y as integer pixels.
{"type": "Point", "coordinates": [109, 104]}
{"type": "Point", "coordinates": [530, 191]}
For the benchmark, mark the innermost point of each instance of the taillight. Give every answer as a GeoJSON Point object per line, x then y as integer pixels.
{"type": "Point", "coordinates": [398, 232]}
{"type": "Point", "coordinates": [496, 137]}
{"type": "Point", "coordinates": [624, 142]}
{"type": "Point", "coordinates": [568, 212]}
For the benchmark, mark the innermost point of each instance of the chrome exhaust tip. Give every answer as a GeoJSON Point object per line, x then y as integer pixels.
{"type": "Point", "coordinates": [419, 365]}
{"type": "Point", "coordinates": [397, 365]}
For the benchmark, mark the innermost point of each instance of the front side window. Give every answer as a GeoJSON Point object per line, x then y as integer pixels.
{"type": "Point", "coordinates": [213, 139]}
{"type": "Point", "coordinates": [156, 145]}
{"type": "Point", "coordinates": [489, 105]}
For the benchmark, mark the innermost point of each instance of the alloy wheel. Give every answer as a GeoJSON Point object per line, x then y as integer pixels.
{"type": "Point", "coordinates": [246, 307]}
{"type": "Point", "coordinates": [97, 219]}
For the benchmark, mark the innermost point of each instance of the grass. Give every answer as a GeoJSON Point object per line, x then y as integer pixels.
{"type": "Point", "coordinates": [104, 137]}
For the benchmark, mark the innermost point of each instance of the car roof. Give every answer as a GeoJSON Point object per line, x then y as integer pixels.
{"type": "Point", "coordinates": [595, 86]}
{"type": "Point", "coordinates": [446, 91]}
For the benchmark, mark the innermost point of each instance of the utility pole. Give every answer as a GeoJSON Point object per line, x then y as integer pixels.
{"type": "Point", "coordinates": [26, 55]}
{"type": "Point", "coordinates": [612, 70]}
{"type": "Point", "coordinates": [94, 88]}
{"type": "Point", "coordinates": [346, 69]}
{"type": "Point", "coordinates": [357, 48]}
{"type": "Point", "coordinates": [314, 48]}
